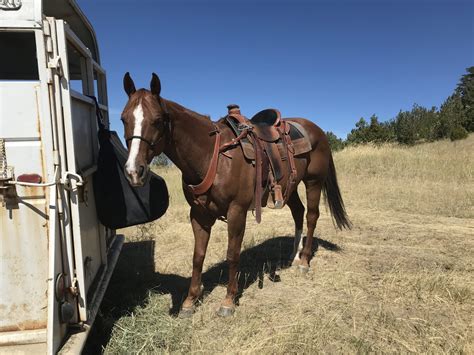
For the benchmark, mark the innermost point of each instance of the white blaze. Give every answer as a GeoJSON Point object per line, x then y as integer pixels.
{"type": "Point", "coordinates": [135, 146]}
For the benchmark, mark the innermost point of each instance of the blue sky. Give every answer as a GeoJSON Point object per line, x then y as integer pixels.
{"type": "Point", "coordinates": [330, 61]}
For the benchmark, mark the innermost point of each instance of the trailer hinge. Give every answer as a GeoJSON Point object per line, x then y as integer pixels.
{"type": "Point", "coordinates": [46, 28]}
{"type": "Point", "coordinates": [55, 64]}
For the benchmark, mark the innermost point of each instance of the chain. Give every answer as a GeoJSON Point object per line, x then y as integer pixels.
{"type": "Point", "coordinates": [3, 161]}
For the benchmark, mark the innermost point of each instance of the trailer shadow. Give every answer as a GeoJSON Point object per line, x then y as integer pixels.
{"type": "Point", "coordinates": [135, 277]}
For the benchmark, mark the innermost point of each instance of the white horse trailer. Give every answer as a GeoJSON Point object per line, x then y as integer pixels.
{"type": "Point", "coordinates": [55, 256]}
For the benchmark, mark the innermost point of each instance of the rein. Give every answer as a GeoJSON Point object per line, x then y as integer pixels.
{"type": "Point", "coordinates": [208, 180]}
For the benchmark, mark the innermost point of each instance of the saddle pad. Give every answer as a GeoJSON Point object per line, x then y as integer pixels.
{"type": "Point", "coordinates": [299, 138]}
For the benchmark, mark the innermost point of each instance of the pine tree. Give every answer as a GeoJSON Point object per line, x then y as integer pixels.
{"type": "Point", "coordinates": [405, 131]}
{"type": "Point", "coordinates": [161, 160]}
{"type": "Point", "coordinates": [335, 142]}
{"type": "Point", "coordinates": [451, 115]}
{"type": "Point", "coordinates": [465, 90]}
{"type": "Point", "coordinates": [359, 134]}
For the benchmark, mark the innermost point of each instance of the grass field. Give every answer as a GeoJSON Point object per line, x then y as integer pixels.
{"type": "Point", "coordinates": [400, 281]}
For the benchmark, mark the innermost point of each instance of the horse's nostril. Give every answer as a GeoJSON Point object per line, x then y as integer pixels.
{"type": "Point", "coordinates": [141, 171]}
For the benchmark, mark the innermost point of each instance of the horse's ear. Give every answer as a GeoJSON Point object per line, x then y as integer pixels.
{"type": "Point", "coordinates": [155, 85]}
{"type": "Point", "coordinates": [128, 84]}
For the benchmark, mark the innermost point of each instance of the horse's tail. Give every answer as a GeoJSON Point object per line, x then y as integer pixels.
{"type": "Point", "coordinates": [334, 198]}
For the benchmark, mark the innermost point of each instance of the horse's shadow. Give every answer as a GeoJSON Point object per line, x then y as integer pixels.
{"type": "Point", "coordinates": [135, 276]}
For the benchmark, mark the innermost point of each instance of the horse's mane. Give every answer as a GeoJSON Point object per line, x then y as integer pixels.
{"type": "Point", "coordinates": [143, 96]}
{"type": "Point", "coordinates": [187, 111]}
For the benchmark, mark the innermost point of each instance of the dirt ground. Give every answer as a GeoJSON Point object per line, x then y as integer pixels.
{"type": "Point", "coordinates": [400, 281]}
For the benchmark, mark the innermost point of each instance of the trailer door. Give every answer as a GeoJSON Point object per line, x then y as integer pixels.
{"type": "Point", "coordinates": [81, 76]}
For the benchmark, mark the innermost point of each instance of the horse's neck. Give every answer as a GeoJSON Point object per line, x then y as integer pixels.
{"type": "Point", "coordinates": [191, 145]}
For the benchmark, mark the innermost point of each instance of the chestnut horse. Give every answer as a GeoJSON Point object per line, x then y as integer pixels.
{"type": "Point", "coordinates": [154, 125]}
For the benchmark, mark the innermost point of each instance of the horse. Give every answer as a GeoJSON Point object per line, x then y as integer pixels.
{"type": "Point", "coordinates": [154, 125]}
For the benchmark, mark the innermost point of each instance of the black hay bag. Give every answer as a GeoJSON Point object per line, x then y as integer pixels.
{"type": "Point", "coordinates": [118, 204]}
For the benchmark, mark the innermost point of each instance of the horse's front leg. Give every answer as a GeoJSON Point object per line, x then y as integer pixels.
{"type": "Point", "coordinates": [202, 224]}
{"type": "Point", "coordinates": [236, 218]}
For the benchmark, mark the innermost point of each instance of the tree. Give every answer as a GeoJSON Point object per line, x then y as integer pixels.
{"type": "Point", "coordinates": [465, 90]}
{"type": "Point", "coordinates": [335, 142]}
{"type": "Point", "coordinates": [379, 132]}
{"type": "Point", "coordinates": [458, 132]}
{"type": "Point", "coordinates": [161, 160]}
{"type": "Point", "coordinates": [359, 134]}
{"type": "Point", "coordinates": [451, 116]}
{"type": "Point", "coordinates": [454, 120]}
{"type": "Point", "coordinates": [375, 131]}
{"type": "Point", "coordinates": [417, 124]}
{"type": "Point", "coordinates": [405, 128]}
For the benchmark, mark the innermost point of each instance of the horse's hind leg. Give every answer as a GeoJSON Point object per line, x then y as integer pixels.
{"type": "Point", "coordinates": [297, 211]}
{"type": "Point", "coordinates": [313, 196]}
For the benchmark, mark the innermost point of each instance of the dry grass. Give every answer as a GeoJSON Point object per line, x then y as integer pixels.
{"type": "Point", "coordinates": [432, 179]}
{"type": "Point", "coordinates": [400, 281]}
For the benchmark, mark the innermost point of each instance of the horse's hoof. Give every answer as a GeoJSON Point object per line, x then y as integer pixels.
{"type": "Point", "coordinates": [225, 311]}
{"type": "Point", "coordinates": [274, 277]}
{"type": "Point", "coordinates": [186, 312]}
{"type": "Point", "coordinates": [303, 269]}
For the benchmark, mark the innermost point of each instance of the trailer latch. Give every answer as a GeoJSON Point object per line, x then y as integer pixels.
{"type": "Point", "coordinates": [69, 177]}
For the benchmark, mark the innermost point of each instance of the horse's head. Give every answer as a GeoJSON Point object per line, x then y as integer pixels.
{"type": "Point", "coordinates": [145, 119]}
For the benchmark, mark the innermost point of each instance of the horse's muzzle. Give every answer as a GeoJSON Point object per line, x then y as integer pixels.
{"type": "Point", "coordinates": [137, 177]}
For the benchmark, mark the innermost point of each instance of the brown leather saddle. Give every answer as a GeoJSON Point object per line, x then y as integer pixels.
{"type": "Point", "coordinates": [271, 144]}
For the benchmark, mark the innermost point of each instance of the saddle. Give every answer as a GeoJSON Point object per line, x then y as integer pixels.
{"type": "Point", "coordinates": [271, 144]}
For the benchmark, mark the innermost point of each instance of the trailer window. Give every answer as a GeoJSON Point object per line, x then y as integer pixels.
{"type": "Point", "coordinates": [77, 70]}
{"type": "Point", "coordinates": [18, 56]}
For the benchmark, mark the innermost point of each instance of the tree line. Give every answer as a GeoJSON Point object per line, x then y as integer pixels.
{"type": "Point", "coordinates": [453, 120]}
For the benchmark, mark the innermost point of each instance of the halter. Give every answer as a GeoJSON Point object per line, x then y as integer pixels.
{"type": "Point", "coordinates": [166, 122]}
{"type": "Point", "coordinates": [151, 144]}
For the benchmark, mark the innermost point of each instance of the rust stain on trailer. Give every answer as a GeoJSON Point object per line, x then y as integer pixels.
{"type": "Point", "coordinates": [43, 163]}
{"type": "Point", "coordinates": [38, 128]}
{"type": "Point", "coordinates": [24, 240]}
{"type": "Point", "coordinates": [26, 324]}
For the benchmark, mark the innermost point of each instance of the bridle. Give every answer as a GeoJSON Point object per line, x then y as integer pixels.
{"type": "Point", "coordinates": [165, 122]}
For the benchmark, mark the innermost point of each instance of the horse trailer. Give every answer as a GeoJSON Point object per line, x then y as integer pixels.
{"type": "Point", "coordinates": [56, 258]}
